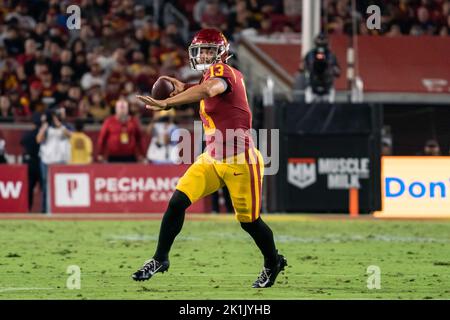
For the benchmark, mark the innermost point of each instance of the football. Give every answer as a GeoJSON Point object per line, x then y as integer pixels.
{"type": "Point", "coordinates": [162, 89]}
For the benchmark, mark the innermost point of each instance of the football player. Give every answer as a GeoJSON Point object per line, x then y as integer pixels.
{"type": "Point", "coordinates": [230, 157]}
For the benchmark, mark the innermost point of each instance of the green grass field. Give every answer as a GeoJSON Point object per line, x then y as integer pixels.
{"type": "Point", "coordinates": [215, 259]}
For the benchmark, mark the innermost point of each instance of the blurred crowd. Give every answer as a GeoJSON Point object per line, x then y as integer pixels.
{"type": "Point", "coordinates": [124, 45]}
{"type": "Point", "coordinates": [398, 17]}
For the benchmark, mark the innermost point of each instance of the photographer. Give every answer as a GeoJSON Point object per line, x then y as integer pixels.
{"type": "Point", "coordinates": [161, 148]}
{"type": "Point", "coordinates": [321, 68]}
{"type": "Point", "coordinates": [2, 149]}
{"type": "Point", "coordinates": [31, 157]}
{"type": "Point", "coordinates": [54, 140]}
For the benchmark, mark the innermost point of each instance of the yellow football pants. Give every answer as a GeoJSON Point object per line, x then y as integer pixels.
{"type": "Point", "coordinates": [242, 174]}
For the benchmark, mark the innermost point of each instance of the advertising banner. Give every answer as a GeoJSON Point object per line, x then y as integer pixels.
{"type": "Point", "coordinates": [329, 158]}
{"type": "Point", "coordinates": [321, 171]}
{"type": "Point", "coordinates": [114, 188]}
{"type": "Point", "coordinates": [415, 187]}
{"type": "Point", "coordinates": [13, 188]}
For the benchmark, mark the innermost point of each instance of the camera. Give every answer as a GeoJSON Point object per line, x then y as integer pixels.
{"type": "Point", "coordinates": [321, 66]}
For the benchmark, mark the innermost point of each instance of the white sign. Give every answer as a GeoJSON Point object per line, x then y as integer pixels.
{"type": "Point", "coordinates": [72, 190]}
{"type": "Point", "coordinates": [302, 172]}
{"type": "Point", "coordinates": [342, 173]}
{"type": "Point", "coordinates": [10, 189]}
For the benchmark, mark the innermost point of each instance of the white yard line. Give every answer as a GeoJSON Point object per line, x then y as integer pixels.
{"type": "Point", "coordinates": [326, 238]}
{"type": "Point", "coordinates": [23, 289]}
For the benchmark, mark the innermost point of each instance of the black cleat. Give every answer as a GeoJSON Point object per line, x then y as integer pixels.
{"type": "Point", "coordinates": [149, 268]}
{"type": "Point", "coordinates": [267, 277]}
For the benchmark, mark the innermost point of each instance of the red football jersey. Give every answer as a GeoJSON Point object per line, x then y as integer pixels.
{"type": "Point", "coordinates": [229, 110]}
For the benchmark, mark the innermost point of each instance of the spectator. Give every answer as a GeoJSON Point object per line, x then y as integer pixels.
{"type": "Point", "coordinates": [424, 22]}
{"type": "Point", "coordinates": [145, 80]}
{"type": "Point", "coordinates": [24, 20]}
{"type": "Point", "coordinates": [40, 34]}
{"type": "Point", "coordinates": [72, 100]}
{"type": "Point", "coordinates": [213, 17]}
{"type": "Point", "coordinates": [163, 147]}
{"type": "Point", "coordinates": [431, 148]}
{"type": "Point", "coordinates": [2, 149]}
{"type": "Point", "coordinates": [31, 157]}
{"type": "Point", "coordinates": [13, 42]}
{"type": "Point", "coordinates": [446, 27]}
{"type": "Point", "coordinates": [53, 137]}
{"type": "Point", "coordinates": [137, 63]}
{"type": "Point", "coordinates": [292, 7]}
{"type": "Point", "coordinates": [19, 103]}
{"type": "Point", "coordinates": [48, 88]}
{"type": "Point", "coordinates": [240, 18]}
{"type": "Point", "coordinates": [403, 14]}
{"type": "Point", "coordinates": [267, 27]}
{"type": "Point", "coordinates": [81, 145]}
{"type": "Point", "coordinates": [444, 31]}
{"type": "Point", "coordinates": [79, 46]}
{"type": "Point", "coordinates": [6, 114]}
{"type": "Point", "coordinates": [140, 16]}
{"type": "Point", "coordinates": [36, 103]}
{"type": "Point", "coordinates": [32, 60]}
{"type": "Point", "coordinates": [66, 74]}
{"type": "Point", "coordinates": [120, 137]}
{"type": "Point", "coordinates": [174, 34]}
{"type": "Point", "coordinates": [394, 31]}
{"type": "Point", "coordinates": [198, 10]}
{"type": "Point", "coordinates": [30, 52]}
{"type": "Point", "coordinates": [80, 65]}
{"type": "Point", "coordinates": [98, 109]}
{"type": "Point", "coordinates": [62, 91]}
{"type": "Point", "coordinates": [3, 57]}
{"type": "Point", "coordinates": [94, 77]}
{"type": "Point", "coordinates": [10, 80]}
{"type": "Point", "coordinates": [386, 147]}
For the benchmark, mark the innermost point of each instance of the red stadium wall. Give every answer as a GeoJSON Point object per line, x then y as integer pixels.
{"type": "Point", "coordinates": [386, 64]}
{"type": "Point", "coordinates": [147, 201]}
{"type": "Point", "coordinates": [14, 150]}
{"type": "Point", "coordinates": [97, 188]}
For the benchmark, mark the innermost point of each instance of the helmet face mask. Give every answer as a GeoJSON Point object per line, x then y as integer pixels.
{"type": "Point", "coordinates": [210, 53]}
{"type": "Point", "coordinates": [209, 46]}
